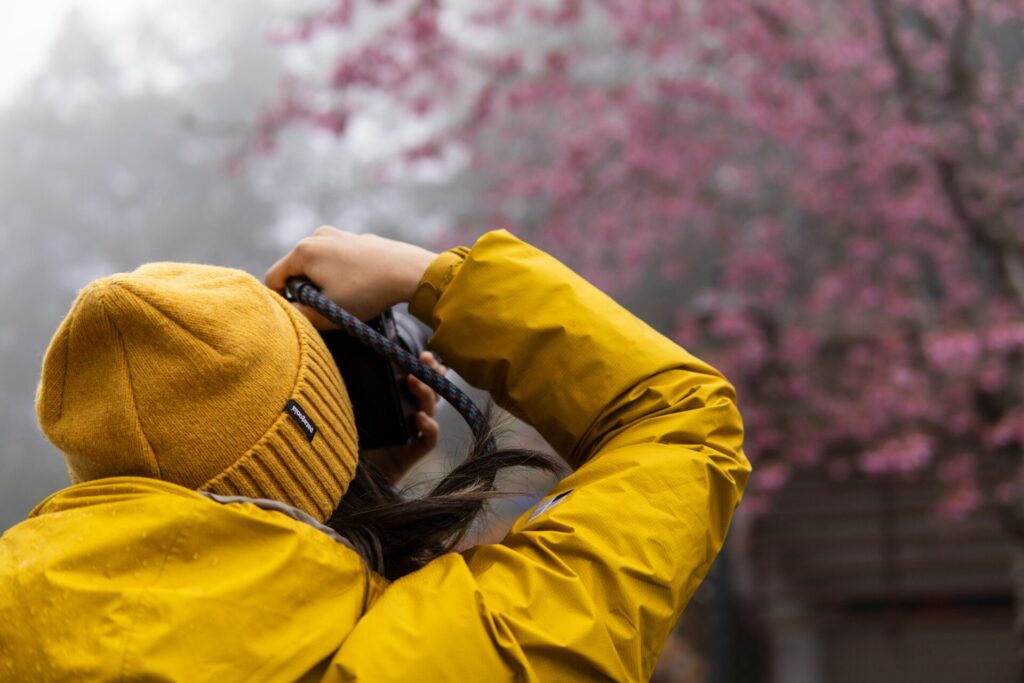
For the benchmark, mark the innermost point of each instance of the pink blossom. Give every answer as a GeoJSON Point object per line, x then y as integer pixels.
{"type": "Point", "coordinates": [761, 168]}
{"type": "Point", "coordinates": [958, 468]}
{"type": "Point", "coordinates": [901, 454]}
{"type": "Point", "coordinates": [959, 502]}
{"type": "Point", "coordinates": [771, 477]}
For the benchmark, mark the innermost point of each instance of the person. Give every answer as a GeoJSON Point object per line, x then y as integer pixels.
{"type": "Point", "coordinates": [192, 544]}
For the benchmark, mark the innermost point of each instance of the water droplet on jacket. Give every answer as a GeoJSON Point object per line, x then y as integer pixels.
{"type": "Point", "coordinates": [195, 556]}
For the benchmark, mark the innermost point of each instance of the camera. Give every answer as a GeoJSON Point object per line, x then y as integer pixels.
{"type": "Point", "coordinates": [385, 409]}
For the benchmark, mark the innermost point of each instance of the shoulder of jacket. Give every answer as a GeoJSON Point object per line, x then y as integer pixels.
{"type": "Point", "coordinates": [283, 508]}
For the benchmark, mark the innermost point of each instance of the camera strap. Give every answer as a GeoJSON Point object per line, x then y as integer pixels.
{"type": "Point", "coordinates": [305, 292]}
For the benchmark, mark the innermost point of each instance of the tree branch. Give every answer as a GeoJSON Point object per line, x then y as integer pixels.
{"type": "Point", "coordinates": [1008, 256]}
{"type": "Point", "coordinates": [958, 71]}
{"type": "Point", "coordinates": [906, 80]}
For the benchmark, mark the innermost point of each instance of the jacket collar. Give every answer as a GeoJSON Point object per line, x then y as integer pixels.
{"type": "Point", "coordinates": [277, 506]}
{"type": "Point", "coordinates": [114, 489]}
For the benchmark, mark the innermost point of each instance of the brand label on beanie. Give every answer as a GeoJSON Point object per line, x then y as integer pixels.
{"type": "Point", "coordinates": [300, 418]}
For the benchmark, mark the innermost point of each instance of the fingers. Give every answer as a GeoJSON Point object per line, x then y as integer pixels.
{"type": "Point", "coordinates": [430, 431]}
{"type": "Point", "coordinates": [431, 360]}
{"type": "Point", "coordinates": [292, 264]}
{"type": "Point", "coordinates": [304, 255]}
{"type": "Point", "coordinates": [326, 231]}
{"type": "Point", "coordinates": [278, 273]}
{"type": "Point", "coordinates": [296, 263]}
{"type": "Point", "coordinates": [299, 262]}
{"type": "Point", "coordinates": [425, 397]}
{"type": "Point", "coordinates": [363, 274]}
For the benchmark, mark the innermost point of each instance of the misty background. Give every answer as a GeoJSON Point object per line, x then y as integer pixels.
{"type": "Point", "coordinates": [124, 138]}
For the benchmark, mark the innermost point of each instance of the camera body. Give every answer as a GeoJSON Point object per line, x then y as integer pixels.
{"type": "Point", "coordinates": [384, 407]}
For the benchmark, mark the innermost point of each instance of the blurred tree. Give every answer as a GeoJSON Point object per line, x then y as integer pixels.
{"type": "Point", "coordinates": [835, 189]}
{"type": "Point", "coordinates": [826, 198]}
{"type": "Point", "coordinates": [101, 173]}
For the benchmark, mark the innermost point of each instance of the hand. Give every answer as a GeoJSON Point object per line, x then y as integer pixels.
{"type": "Point", "coordinates": [364, 274]}
{"type": "Point", "coordinates": [394, 463]}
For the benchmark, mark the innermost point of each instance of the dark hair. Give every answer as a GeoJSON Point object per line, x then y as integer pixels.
{"type": "Point", "coordinates": [396, 533]}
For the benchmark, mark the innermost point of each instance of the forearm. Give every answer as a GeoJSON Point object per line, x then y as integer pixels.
{"type": "Point", "coordinates": [590, 587]}
{"type": "Point", "coordinates": [561, 355]}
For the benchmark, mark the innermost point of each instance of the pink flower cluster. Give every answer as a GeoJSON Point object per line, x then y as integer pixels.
{"type": "Point", "coordinates": [823, 198]}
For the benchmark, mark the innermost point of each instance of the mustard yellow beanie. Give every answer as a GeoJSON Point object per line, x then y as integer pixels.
{"type": "Point", "coordinates": [200, 376]}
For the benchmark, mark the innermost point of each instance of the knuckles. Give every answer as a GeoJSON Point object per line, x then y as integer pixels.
{"type": "Point", "coordinates": [305, 248]}
{"type": "Point", "coordinates": [324, 231]}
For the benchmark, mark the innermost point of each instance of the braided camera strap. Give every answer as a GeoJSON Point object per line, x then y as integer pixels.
{"type": "Point", "coordinates": [305, 292]}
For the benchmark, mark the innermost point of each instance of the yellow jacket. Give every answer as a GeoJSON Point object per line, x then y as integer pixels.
{"type": "Point", "coordinates": [137, 579]}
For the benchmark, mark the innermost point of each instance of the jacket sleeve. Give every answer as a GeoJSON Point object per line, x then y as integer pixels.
{"type": "Point", "coordinates": [589, 583]}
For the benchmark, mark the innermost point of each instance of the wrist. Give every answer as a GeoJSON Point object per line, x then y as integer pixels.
{"type": "Point", "coordinates": [411, 272]}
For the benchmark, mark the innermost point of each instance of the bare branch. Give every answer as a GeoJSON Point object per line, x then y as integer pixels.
{"type": "Point", "coordinates": [906, 79]}
{"type": "Point", "coordinates": [1009, 256]}
{"type": "Point", "coordinates": [775, 24]}
{"type": "Point", "coordinates": [958, 71]}
{"type": "Point", "coordinates": [928, 26]}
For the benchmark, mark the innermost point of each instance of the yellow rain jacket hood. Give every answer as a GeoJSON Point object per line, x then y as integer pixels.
{"type": "Point", "coordinates": [136, 579]}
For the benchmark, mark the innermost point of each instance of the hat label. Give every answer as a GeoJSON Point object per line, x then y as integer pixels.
{"type": "Point", "coordinates": [300, 418]}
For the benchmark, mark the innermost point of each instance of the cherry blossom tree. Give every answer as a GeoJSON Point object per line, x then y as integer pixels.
{"type": "Point", "coordinates": [825, 198]}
